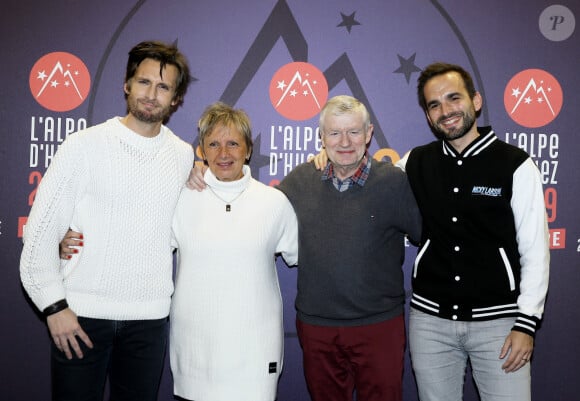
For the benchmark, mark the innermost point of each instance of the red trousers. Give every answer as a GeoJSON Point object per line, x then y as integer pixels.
{"type": "Point", "coordinates": [366, 359]}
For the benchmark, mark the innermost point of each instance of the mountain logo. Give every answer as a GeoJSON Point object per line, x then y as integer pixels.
{"type": "Point", "coordinates": [298, 91]}
{"type": "Point", "coordinates": [59, 81]}
{"type": "Point", "coordinates": [533, 98]}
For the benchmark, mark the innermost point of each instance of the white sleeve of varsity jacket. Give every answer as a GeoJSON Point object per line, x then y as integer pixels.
{"type": "Point", "coordinates": [533, 238]}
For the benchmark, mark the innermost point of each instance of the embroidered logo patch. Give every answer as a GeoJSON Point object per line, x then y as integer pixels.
{"type": "Point", "coordinates": [486, 191]}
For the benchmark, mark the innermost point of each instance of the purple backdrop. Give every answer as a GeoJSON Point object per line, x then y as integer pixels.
{"type": "Point", "coordinates": [372, 49]}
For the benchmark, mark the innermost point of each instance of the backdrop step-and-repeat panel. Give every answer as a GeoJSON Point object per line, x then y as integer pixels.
{"type": "Point", "coordinates": [64, 61]}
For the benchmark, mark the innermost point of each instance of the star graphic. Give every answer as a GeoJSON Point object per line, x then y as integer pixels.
{"type": "Point", "coordinates": [41, 75]}
{"type": "Point", "coordinates": [305, 93]}
{"type": "Point", "coordinates": [348, 21]}
{"type": "Point", "coordinates": [528, 100]}
{"type": "Point", "coordinates": [258, 160]}
{"type": "Point", "coordinates": [407, 67]}
{"type": "Point", "coordinates": [293, 93]}
{"type": "Point", "coordinates": [281, 85]}
{"type": "Point", "coordinates": [54, 83]}
{"type": "Point", "coordinates": [516, 92]}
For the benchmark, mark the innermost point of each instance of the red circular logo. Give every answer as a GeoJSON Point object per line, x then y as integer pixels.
{"type": "Point", "coordinates": [533, 98]}
{"type": "Point", "coordinates": [298, 91]}
{"type": "Point", "coordinates": [59, 81]}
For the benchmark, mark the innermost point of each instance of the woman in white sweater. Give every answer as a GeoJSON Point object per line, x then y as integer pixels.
{"type": "Point", "coordinates": [226, 337]}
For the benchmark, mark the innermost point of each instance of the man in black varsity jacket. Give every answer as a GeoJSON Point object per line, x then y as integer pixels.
{"type": "Point", "coordinates": [481, 274]}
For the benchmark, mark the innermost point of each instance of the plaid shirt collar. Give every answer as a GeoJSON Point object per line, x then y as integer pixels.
{"type": "Point", "coordinates": [359, 177]}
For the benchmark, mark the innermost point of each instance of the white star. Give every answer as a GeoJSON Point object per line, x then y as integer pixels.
{"type": "Point", "coordinates": [516, 92]}
{"type": "Point", "coordinates": [41, 75]}
{"type": "Point", "coordinates": [293, 93]}
{"type": "Point", "coordinates": [540, 100]}
{"type": "Point", "coordinates": [305, 93]}
{"type": "Point", "coordinates": [67, 84]}
{"type": "Point", "coordinates": [528, 100]}
{"type": "Point", "coordinates": [281, 85]}
{"type": "Point", "coordinates": [54, 83]}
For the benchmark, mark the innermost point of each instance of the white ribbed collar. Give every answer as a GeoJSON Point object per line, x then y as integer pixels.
{"type": "Point", "coordinates": [474, 148]}
{"type": "Point", "coordinates": [229, 188]}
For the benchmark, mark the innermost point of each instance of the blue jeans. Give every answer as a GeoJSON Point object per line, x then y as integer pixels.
{"type": "Point", "coordinates": [130, 352]}
{"type": "Point", "coordinates": [440, 349]}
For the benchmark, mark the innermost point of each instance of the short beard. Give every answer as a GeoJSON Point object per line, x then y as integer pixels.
{"type": "Point", "coordinates": [147, 117]}
{"type": "Point", "coordinates": [455, 133]}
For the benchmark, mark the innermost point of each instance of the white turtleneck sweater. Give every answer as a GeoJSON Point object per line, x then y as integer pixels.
{"type": "Point", "coordinates": [226, 338]}
{"type": "Point", "coordinates": [120, 190]}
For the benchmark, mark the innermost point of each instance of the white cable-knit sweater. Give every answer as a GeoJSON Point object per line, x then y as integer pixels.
{"type": "Point", "coordinates": [120, 190]}
{"type": "Point", "coordinates": [226, 338]}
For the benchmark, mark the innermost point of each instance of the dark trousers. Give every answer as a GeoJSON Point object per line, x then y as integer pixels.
{"type": "Point", "coordinates": [130, 353]}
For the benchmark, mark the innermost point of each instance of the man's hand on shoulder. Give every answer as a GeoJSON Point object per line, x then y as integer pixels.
{"type": "Point", "coordinates": [195, 180]}
{"type": "Point", "coordinates": [320, 160]}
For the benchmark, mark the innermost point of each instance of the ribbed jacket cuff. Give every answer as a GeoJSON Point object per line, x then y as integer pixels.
{"type": "Point", "coordinates": [526, 324]}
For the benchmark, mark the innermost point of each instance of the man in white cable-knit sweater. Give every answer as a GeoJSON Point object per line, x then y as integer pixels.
{"type": "Point", "coordinates": [118, 183]}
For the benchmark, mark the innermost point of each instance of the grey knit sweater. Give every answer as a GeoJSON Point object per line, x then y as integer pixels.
{"type": "Point", "coordinates": [351, 245]}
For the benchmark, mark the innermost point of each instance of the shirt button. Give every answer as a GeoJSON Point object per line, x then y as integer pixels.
{"type": "Point", "coordinates": [456, 249]}
{"type": "Point", "coordinates": [455, 189]}
{"type": "Point", "coordinates": [457, 278]}
{"type": "Point", "coordinates": [454, 219]}
{"type": "Point", "coordinates": [459, 162]}
{"type": "Point", "coordinates": [455, 307]}
{"type": "Point", "coordinates": [454, 317]}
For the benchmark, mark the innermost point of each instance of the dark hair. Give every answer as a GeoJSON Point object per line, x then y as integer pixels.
{"type": "Point", "coordinates": [436, 69]}
{"type": "Point", "coordinates": [166, 55]}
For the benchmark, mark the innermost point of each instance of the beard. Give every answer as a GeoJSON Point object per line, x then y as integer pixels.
{"type": "Point", "coordinates": [456, 132]}
{"type": "Point", "coordinates": [158, 114]}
